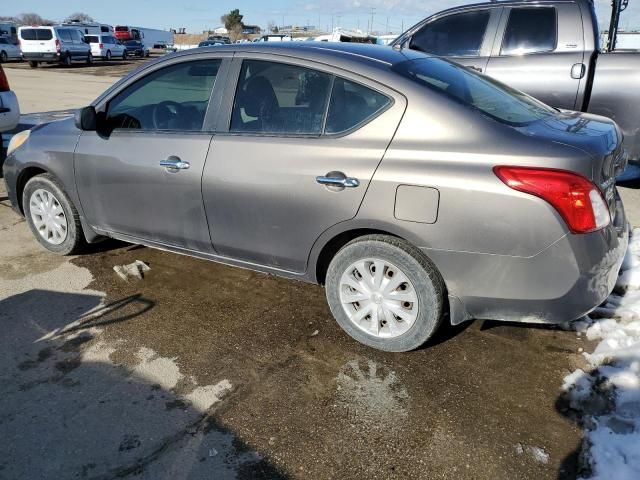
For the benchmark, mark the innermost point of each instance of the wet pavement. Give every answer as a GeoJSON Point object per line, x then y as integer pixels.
{"type": "Point", "coordinates": [206, 371]}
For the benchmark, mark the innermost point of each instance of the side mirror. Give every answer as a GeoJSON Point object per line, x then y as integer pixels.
{"type": "Point", "coordinates": [86, 118]}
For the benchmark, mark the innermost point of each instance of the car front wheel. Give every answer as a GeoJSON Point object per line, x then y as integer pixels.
{"type": "Point", "coordinates": [385, 293]}
{"type": "Point", "coordinates": [51, 216]}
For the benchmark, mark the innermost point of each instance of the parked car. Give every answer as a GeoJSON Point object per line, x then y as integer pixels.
{"type": "Point", "coordinates": [210, 43]}
{"type": "Point", "coordinates": [548, 49]}
{"type": "Point", "coordinates": [135, 48]}
{"type": "Point", "coordinates": [53, 44]}
{"type": "Point", "coordinates": [449, 195]}
{"type": "Point", "coordinates": [9, 111]}
{"type": "Point", "coordinates": [219, 38]}
{"type": "Point", "coordinates": [8, 50]}
{"type": "Point", "coordinates": [106, 47]}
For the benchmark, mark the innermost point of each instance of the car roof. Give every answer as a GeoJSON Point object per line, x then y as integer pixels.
{"type": "Point", "coordinates": [373, 55]}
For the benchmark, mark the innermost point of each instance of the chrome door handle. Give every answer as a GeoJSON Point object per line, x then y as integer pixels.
{"type": "Point", "coordinates": [348, 182]}
{"type": "Point", "coordinates": [175, 163]}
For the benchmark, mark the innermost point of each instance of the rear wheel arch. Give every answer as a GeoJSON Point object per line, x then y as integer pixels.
{"type": "Point", "coordinates": [334, 245]}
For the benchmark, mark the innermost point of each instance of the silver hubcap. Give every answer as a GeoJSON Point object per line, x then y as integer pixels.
{"type": "Point", "coordinates": [378, 298]}
{"type": "Point", "coordinates": [48, 216]}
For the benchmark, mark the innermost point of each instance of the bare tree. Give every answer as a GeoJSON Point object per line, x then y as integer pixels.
{"type": "Point", "coordinates": [79, 17]}
{"type": "Point", "coordinates": [273, 28]}
{"type": "Point", "coordinates": [33, 19]}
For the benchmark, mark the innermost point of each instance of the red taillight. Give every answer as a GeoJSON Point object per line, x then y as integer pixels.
{"type": "Point", "coordinates": [4, 83]}
{"type": "Point", "coordinates": [57, 45]}
{"type": "Point", "coordinates": [100, 46]}
{"type": "Point", "coordinates": [576, 199]}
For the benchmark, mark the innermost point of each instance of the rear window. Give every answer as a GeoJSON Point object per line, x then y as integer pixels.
{"type": "Point", "coordinates": [36, 34]}
{"type": "Point", "coordinates": [479, 92]}
{"type": "Point", "coordinates": [122, 29]}
{"type": "Point", "coordinates": [92, 38]}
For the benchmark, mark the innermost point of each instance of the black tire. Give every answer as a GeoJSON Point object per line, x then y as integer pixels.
{"type": "Point", "coordinates": [33, 64]}
{"type": "Point", "coordinates": [66, 61]}
{"type": "Point", "coordinates": [124, 55]}
{"type": "Point", "coordinates": [427, 282]}
{"type": "Point", "coordinates": [3, 57]}
{"type": "Point", "coordinates": [89, 59]}
{"type": "Point", "coordinates": [108, 55]}
{"type": "Point", "coordinates": [74, 240]}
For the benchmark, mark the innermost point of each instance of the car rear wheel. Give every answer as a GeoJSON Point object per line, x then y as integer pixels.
{"type": "Point", "coordinates": [108, 55]}
{"type": "Point", "coordinates": [3, 57]}
{"type": "Point", "coordinates": [385, 293]}
{"type": "Point", "coordinates": [124, 55]}
{"type": "Point", "coordinates": [52, 217]}
{"type": "Point", "coordinates": [33, 64]}
{"type": "Point", "coordinates": [67, 60]}
{"type": "Point", "coordinates": [89, 59]}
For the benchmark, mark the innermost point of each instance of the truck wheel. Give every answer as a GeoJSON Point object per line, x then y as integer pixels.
{"type": "Point", "coordinates": [108, 55]}
{"type": "Point", "coordinates": [385, 293]}
{"type": "Point", "coordinates": [67, 60]}
{"type": "Point", "coordinates": [3, 57]}
{"type": "Point", "coordinates": [51, 216]}
{"type": "Point", "coordinates": [33, 64]}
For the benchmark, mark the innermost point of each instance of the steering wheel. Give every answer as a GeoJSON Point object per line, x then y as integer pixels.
{"type": "Point", "coordinates": [164, 112]}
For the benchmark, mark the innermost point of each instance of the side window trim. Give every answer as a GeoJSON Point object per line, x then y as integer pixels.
{"type": "Point", "coordinates": [502, 32]}
{"type": "Point", "coordinates": [232, 83]}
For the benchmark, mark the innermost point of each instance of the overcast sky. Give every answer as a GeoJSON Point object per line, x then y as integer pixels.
{"type": "Point", "coordinates": [197, 15]}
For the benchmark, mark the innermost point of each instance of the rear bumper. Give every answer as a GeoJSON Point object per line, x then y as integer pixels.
{"type": "Point", "coordinates": [41, 57]}
{"type": "Point", "coordinates": [562, 283]}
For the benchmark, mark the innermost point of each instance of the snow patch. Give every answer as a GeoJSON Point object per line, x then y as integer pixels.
{"type": "Point", "coordinates": [608, 397]}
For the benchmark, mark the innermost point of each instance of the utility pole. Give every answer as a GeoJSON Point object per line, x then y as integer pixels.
{"type": "Point", "coordinates": [373, 11]}
{"type": "Point", "coordinates": [387, 30]}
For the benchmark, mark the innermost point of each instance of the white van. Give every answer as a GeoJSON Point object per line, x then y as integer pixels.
{"type": "Point", "coordinates": [53, 44]}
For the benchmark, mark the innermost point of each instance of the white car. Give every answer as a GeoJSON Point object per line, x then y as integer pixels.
{"type": "Point", "coordinates": [9, 110]}
{"type": "Point", "coordinates": [106, 47]}
{"type": "Point", "coordinates": [8, 50]}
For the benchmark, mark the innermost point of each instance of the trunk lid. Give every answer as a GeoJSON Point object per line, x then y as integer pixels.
{"type": "Point", "coordinates": [598, 137]}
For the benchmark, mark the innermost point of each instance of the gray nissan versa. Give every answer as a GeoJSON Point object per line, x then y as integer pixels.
{"type": "Point", "coordinates": [414, 189]}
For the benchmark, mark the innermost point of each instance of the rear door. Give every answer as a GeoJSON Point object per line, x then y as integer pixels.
{"type": "Point", "coordinates": [278, 175]}
{"type": "Point", "coordinates": [141, 176]}
{"type": "Point", "coordinates": [465, 37]}
{"type": "Point", "coordinates": [536, 52]}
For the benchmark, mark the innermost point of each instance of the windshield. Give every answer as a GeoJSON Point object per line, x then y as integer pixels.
{"type": "Point", "coordinates": [131, 43]}
{"type": "Point", "coordinates": [92, 38]}
{"type": "Point", "coordinates": [491, 97]}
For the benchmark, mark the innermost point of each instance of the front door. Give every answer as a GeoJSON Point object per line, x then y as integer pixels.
{"type": "Point", "coordinates": [287, 170]}
{"type": "Point", "coordinates": [533, 53]}
{"type": "Point", "coordinates": [139, 175]}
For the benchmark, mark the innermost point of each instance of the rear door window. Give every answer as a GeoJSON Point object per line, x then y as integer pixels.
{"type": "Point", "coordinates": [530, 30]}
{"type": "Point", "coordinates": [457, 35]}
{"type": "Point", "coordinates": [278, 98]}
{"type": "Point", "coordinates": [36, 34]}
{"type": "Point", "coordinates": [351, 105]}
{"type": "Point", "coordinates": [92, 39]}
{"type": "Point", "coordinates": [172, 98]}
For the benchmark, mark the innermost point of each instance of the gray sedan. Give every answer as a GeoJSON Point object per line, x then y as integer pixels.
{"type": "Point", "coordinates": [414, 189]}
